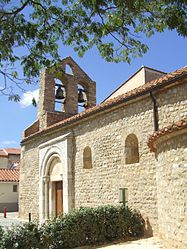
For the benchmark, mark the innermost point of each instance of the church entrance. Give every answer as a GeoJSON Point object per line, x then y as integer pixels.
{"type": "Point", "coordinates": [59, 197]}
{"type": "Point", "coordinates": [56, 192]}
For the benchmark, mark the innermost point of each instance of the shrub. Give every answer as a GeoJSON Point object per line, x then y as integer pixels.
{"type": "Point", "coordinates": [26, 236]}
{"type": "Point", "coordinates": [85, 226]}
{"type": "Point", "coordinates": [88, 226]}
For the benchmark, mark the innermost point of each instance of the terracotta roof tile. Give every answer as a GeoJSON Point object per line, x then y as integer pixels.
{"type": "Point", "coordinates": [7, 151]}
{"type": "Point", "coordinates": [15, 151]}
{"type": "Point", "coordinates": [119, 99]}
{"type": "Point", "coordinates": [9, 175]}
{"type": "Point", "coordinates": [182, 124]}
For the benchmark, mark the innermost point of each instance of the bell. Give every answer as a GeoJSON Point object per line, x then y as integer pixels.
{"type": "Point", "coordinates": [81, 98]}
{"type": "Point", "coordinates": [59, 93]}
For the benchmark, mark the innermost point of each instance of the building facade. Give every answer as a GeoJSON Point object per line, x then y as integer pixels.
{"type": "Point", "coordinates": [72, 159]}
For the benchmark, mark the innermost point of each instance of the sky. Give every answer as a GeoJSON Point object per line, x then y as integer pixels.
{"type": "Point", "coordinates": [167, 52]}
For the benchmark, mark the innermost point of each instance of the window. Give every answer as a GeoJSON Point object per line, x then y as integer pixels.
{"type": "Point", "coordinates": [15, 188]}
{"type": "Point", "coordinates": [131, 149]}
{"type": "Point", "coordinates": [87, 158]}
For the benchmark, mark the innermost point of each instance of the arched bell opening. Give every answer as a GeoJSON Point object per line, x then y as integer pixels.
{"type": "Point", "coordinates": [82, 97]}
{"type": "Point", "coordinates": [53, 188]}
{"type": "Point", "coordinates": [60, 95]}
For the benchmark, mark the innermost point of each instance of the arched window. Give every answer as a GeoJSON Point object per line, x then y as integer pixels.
{"type": "Point", "coordinates": [87, 158]}
{"type": "Point", "coordinates": [131, 149]}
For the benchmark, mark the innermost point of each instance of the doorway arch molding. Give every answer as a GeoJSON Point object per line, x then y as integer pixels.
{"type": "Point", "coordinates": [60, 148]}
{"type": "Point", "coordinates": [50, 154]}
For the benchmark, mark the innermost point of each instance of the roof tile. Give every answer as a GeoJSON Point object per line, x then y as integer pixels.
{"type": "Point", "coordinates": [15, 151]}
{"type": "Point", "coordinates": [9, 175]}
{"type": "Point", "coordinates": [182, 124]}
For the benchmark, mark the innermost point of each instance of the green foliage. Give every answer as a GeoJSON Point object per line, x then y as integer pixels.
{"type": "Point", "coordinates": [1, 234]}
{"type": "Point", "coordinates": [86, 226]}
{"type": "Point", "coordinates": [25, 236]}
{"type": "Point", "coordinates": [114, 27]}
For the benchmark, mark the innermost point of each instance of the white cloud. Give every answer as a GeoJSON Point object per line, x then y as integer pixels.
{"type": "Point", "coordinates": [8, 142]}
{"type": "Point", "coordinates": [27, 97]}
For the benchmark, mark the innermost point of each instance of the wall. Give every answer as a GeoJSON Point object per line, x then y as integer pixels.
{"type": "Point", "coordinates": [8, 198]}
{"type": "Point", "coordinates": [172, 189]}
{"type": "Point", "coordinates": [12, 159]}
{"type": "Point", "coordinates": [106, 135]}
{"type": "Point", "coordinates": [172, 104]}
{"type": "Point", "coordinates": [3, 162]}
{"type": "Point", "coordinates": [29, 183]}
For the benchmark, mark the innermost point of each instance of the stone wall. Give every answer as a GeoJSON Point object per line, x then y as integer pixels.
{"type": "Point", "coordinates": [172, 105]}
{"type": "Point", "coordinates": [29, 183]}
{"type": "Point", "coordinates": [106, 137]}
{"type": "Point", "coordinates": [172, 189]}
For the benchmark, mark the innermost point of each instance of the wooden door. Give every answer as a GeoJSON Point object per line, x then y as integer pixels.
{"type": "Point", "coordinates": [59, 198]}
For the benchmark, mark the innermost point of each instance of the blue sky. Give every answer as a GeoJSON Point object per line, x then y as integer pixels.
{"type": "Point", "coordinates": [167, 52]}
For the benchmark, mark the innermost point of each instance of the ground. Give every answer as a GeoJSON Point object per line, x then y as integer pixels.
{"type": "Point", "coordinates": [148, 243]}
{"type": "Point", "coordinates": [11, 219]}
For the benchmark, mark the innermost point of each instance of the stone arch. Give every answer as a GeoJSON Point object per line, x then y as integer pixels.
{"type": "Point", "coordinates": [131, 149]}
{"type": "Point", "coordinates": [87, 158]}
{"type": "Point", "coordinates": [51, 174]}
{"type": "Point", "coordinates": [50, 154]}
{"type": "Point", "coordinates": [84, 84]}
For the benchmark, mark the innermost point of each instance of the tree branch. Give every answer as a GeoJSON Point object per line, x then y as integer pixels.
{"type": "Point", "coordinates": [120, 42]}
{"type": "Point", "coordinates": [15, 11]}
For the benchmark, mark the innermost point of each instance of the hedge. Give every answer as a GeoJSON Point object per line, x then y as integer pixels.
{"type": "Point", "coordinates": [85, 226]}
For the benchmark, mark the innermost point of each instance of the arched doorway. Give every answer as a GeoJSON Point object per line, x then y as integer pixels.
{"type": "Point", "coordinates": [53, 188]}
{"type": "Point", "coordinates": [56, 177]}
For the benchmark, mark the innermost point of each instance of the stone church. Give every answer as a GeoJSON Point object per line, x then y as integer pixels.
{"type": "Point", "coordinates": [131, 148]}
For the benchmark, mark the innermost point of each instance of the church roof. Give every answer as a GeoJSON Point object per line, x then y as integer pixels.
{"type": "Point", "coordinates": [9, 175]}
{"type": "Point", "coordinates": [182, 124]}
{"type": "Point", "coordinates": [137, 92]}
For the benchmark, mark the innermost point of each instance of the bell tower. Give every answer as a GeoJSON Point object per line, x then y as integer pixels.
{"type": "Point", "coordinates": [62, 90]}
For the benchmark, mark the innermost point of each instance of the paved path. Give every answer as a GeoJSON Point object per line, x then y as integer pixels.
{"type": "Point", "coordinates": [149, 243]}
{"type": "Point", "coordinates": [11, 219]}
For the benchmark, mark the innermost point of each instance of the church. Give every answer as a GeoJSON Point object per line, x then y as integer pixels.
{"type": "Point", "coordinates": [130, 149]}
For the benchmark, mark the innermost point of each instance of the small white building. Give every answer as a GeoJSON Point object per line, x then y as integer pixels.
{"type": "Point", "coordinates": [9, 178]}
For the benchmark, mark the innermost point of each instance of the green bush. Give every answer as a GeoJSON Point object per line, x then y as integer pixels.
{"type": "Point", "coordinates": [88, 226]}
{"type": "Point", "coordinates": [85, 226]}
{"type": "Point", "coordinates": [26, 236]}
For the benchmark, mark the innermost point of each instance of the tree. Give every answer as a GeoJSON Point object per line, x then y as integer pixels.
{"type": "Point", "coordinates": [115, 27]}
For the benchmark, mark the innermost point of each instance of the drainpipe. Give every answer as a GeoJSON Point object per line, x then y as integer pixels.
{"type": "Point", "coordinates": [155, 112]}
